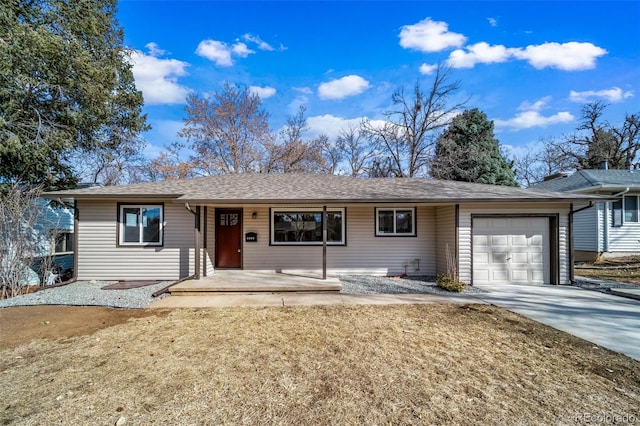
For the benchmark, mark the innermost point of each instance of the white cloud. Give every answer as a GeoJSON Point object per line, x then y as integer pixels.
{"type": "Point", "coordinates": [429, 36]}
{"type": "Point", "coordinates": [613, 95]}
{"type": "Point", "coordinates": [493, 22]}
{"type": "Point", "coordinates": [241, 50]}
{"type": "Point", "coordinates": [536, 106]}
{"type": "Point", "coordinates": [157, 78]}
{"type": "Point", "coordinates": [262, 45]}
{"type": "Point", "coordinates": [427, 69]}
{"type": "Point", "coordinates": [571, 56]}
{"type": "Point", "coordinates": [304, 90]}
{"type": "Point", "coordinates": [263, 92]}
{"type": "Point", "coordinates": [330, 125]}
{"type": "Point", "coordinates": [222, 53]}
{"type": "Point", "coordinates": [479, 53]}
{"type": "Point", "coordinates": [343, 87]}
{"type": "Point", "coordinates": [529, 119]}
{"type": "Point", "coordinates": [154, 49]}
{"type": "Point", "coordinates": [215, 51]}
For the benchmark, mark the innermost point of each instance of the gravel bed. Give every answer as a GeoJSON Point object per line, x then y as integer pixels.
{"type": "Point", "coordinates": [368, 284]}
{"type": "Point", "coordinates": [601, 285]}
{"type": "Point", "coordinates": [89, 293]}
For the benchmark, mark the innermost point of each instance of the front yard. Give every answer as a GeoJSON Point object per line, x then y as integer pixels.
{"type": "Point", "coordinates": [623, 269]}
{"type": "Point", "coordinates": [399, 364]}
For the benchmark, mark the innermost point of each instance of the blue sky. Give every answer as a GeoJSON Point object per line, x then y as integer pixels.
{"type": "Point", "coordinates": [530, 66]}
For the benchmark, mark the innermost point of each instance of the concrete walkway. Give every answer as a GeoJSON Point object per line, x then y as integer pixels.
{"type": "Point", "coordinates": [299, 299]}
{"type": "Point", "coordinates": [606, 320]}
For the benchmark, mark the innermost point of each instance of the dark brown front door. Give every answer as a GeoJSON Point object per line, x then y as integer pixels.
{"type": "Point", "coordinates": [228, 238]}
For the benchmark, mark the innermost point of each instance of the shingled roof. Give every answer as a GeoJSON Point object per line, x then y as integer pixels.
{"type": "Point", "coordinates": [308, 188]}
{"type": "Point", "coordinates": [593, 180]}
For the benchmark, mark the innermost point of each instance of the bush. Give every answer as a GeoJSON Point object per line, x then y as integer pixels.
{"type": "Point", "coordinates": [450, 284]}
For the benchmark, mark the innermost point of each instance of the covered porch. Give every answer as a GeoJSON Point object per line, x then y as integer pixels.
{"type": "Point", "coordinates": [230, 281]}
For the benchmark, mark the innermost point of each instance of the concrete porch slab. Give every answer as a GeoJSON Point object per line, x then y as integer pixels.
{"type": "Point", "coordinates": [248, 282]}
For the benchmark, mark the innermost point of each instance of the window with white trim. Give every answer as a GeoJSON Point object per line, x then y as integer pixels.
{"type": "Point", "coordinates": [626, 210]}
{"type": "Point", "coordinates": [399, 222]}
{"type": "Point", "coordinates": [304, 226]}
{"type": "Point", "coordinates": [141, 225]}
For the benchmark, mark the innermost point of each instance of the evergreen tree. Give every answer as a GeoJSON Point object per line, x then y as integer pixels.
{"type": "Point", "coordinates": [468, 151]}
{"type": "Point", "coordinates": [66, 87]}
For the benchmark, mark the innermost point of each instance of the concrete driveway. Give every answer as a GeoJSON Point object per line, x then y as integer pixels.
{"type": "Point", "coordinates": [609, 321]}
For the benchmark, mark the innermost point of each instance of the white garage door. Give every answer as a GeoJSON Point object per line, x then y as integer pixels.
{"type": "Point", "coordinates": [511, 250]}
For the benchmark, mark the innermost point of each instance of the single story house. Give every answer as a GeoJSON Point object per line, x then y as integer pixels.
{"type": "Point", "coordinates": [274, 222]}
{"type": "Point", "coordinates": [612, 227]}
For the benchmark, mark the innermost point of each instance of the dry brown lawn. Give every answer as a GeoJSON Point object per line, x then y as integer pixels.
{"type": "Point", "coordinates": [623, 269]}
{"type": "Point", "coordinates": [405, 364]}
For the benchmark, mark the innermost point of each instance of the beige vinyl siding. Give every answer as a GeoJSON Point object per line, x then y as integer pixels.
{"type": "Point", "coordinates": [445, 236]}
{"type": "Point", "coordinates": [99, 257]}
{"type": "Point", "coordinates": [465, 241]}
{"type": "Point", "coordinates": [364, 253]}
{"type": "Point", "coordinates": [585, 228]}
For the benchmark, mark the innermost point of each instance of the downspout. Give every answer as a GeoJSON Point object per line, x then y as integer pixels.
{"type": "Point", "coordinates": [196, 217]}
{"type": "Point", "coordinates": [571, 249]}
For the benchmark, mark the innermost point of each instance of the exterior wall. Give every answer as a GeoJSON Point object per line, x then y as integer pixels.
{"type": "Point", "coordinates": [99, 257]}
{"type": "Point", "coordinates": [585, 228]}
{"type": "Point", "coordinates": [445, 236]}
{"type": "Point", "coordinates": [364, 253]}
{"type": "Point", "coordinates": [465, 241]}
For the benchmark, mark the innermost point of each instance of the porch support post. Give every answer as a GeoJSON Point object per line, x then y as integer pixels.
{"type": "Point", "coordinates": [324, 242]}
{"type": "Point", "coordinates": [197, 237]}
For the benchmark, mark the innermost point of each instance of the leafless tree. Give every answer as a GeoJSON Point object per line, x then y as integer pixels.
{"type": "Point", "coordinates": [596, 141]}
{"type": "Point", "coordinates": [355, 151]}
{"type": "Point", "coordinates": [532, 167]}
{"type": "Point", "coordinates": [169, 165]}
{"type": "Point", "coordinates": [20, 241]}
{"type": "Point", "coordinates": [226, 131]}
{"type": "Point", "coordinates": [406, 139]}
{"type": "Point", "coordinates": [290, 153]}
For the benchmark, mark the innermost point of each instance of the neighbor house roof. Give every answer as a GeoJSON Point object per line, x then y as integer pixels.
{"type": "Point", "coordinates": [307, 188]}
{"type": "Point", "coordinates": [593, 181]}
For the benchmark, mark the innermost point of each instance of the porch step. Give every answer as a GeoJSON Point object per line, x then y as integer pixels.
{"type": "Point", "coordinates": [245, 283]}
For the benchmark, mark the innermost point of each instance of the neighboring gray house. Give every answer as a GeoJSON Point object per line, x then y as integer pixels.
{"type": "Point", "coordinates": [273, 222]}
{"type": "Point", "coordinates": [609, 228]}
{"type": "Point", "coordinates": [54, 227]}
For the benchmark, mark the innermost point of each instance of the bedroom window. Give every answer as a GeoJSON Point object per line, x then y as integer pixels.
{"type": "Point", "coordinates": [396, 222]}
{"type": "Point", "coordinates": [304, 226]}
{"type": "Point", "coordinates": [141, 225]}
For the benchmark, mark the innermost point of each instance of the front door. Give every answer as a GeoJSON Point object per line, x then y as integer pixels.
{"type": "Point", "coordinates": [228, 238]}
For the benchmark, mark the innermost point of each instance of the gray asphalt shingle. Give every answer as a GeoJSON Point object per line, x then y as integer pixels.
{"type": "Point", "coordinates": [271, 188]}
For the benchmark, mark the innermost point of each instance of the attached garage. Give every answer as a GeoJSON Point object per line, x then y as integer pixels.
{"type": "Point", "coordinates": [513, 250]}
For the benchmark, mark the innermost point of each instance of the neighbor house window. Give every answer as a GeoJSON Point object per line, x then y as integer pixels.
{"type": "Point", "coordinates": [141, 225]}
{"type": "Point", "coordinates": [304, 226]}
{"type": "Point", "coordinates": [395, 222]}
{"type": "Point", "coordinates": [631, 208]}
{"type": "Point", "coordinates": [62, 242]}
{"type": "Point", "coordinates": [616, 208]}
